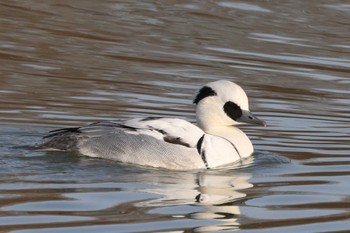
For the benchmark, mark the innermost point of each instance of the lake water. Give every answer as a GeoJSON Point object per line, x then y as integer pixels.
{"type": "Point", "coordinates": [66, 63]}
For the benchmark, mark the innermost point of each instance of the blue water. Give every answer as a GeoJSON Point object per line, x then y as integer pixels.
{"type": "Point", "coordinates": [73, 63]}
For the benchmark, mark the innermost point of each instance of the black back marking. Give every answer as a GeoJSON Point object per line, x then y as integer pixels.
{"type": "Point", "coordinates": [127, 127]}
{"type": "Point", "coordinates": [170, 139]}
{"type": "Point", "coordinates": [175, 140]}
{"type": "Point", "coordinates": [159, 130]}
{"type": "Point", "coordinates": [232, 110]}
{"type": "Point", "coordinates": [151, 118]}
{"type": "Point", "coordinates": [203, 93]}
{"type": "Point", "coordinates": [112, 124]}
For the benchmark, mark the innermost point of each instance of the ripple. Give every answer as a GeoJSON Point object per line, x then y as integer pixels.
{"type": "Point", "coordinates": [72, 63]}
{"type": "Point", "coordinates": [244, 6]}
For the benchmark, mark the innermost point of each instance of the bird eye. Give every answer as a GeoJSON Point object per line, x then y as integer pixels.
{"type": "Point", "coordinates": [232, 110]}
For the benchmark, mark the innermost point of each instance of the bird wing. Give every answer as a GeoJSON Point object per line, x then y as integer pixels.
{"type": "Point", "coordinates": [170, 130]}
{"type": "Point", "coordinates": [173, 130]}
{"type": "Point", "coordinates": [156, 142]}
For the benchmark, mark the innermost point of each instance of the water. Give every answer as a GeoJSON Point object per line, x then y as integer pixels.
{"type": "Point", "coordinates": [66, 63]}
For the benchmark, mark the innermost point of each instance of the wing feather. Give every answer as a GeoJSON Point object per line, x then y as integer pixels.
{"type": "Point", "coordinates": [169, 130]}
{"type": "Point", "coordinates": [175, 130]}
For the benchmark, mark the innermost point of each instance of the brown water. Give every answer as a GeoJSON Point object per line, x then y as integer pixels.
{"type": "Point", "coordinates": [74, 62]}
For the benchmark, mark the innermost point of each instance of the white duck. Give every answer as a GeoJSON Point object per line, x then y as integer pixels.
{"type": "Point", "coordinates": [170, 142]}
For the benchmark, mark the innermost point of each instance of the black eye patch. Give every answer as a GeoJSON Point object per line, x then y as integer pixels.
{"type": "Point", "coordinates": [203, 93]}
{"type": "Point", "coordinates": [232, 110]}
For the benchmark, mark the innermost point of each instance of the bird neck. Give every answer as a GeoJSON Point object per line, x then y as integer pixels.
{"type": "Point", "coordinates": [212, 120]}
{"type": "Point", "coordinates": [234, 135]}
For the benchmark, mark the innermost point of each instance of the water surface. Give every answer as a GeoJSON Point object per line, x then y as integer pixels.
{"type": "Point", "coordinates": [66, 63]}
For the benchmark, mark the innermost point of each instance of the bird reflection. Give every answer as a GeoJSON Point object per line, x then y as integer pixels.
{"type": "Point", "coordinates": [216, 194]}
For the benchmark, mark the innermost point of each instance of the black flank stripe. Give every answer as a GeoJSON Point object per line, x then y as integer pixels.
{"type": "Point", "coordinates": [199, 144]}
{"type": "Point", "coordinates": [202, 152]}
{"type": "Point", "coordinates": [205, 159]}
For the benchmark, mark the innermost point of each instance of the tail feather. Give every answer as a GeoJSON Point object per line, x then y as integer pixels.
{"type": "Point", "coordinates": [60, 139]}
{"type": "Point", "coordinates": [56, 132]}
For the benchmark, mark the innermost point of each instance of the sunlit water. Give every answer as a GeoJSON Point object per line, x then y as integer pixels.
{"type": "Point", "coordinates": [67, 63]}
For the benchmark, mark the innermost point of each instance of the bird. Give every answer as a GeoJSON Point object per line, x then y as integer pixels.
{"type": "Point", "coordinates": [169, 143]}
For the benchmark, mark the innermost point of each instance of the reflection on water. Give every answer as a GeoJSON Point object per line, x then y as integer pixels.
{"type": "Point", "coordinates": [72, 63]}
{"type": "Point", "coordinates": [100, 194]}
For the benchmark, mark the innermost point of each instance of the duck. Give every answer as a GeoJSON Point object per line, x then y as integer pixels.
{"type": "Point", "coordinates": [169, 143]}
